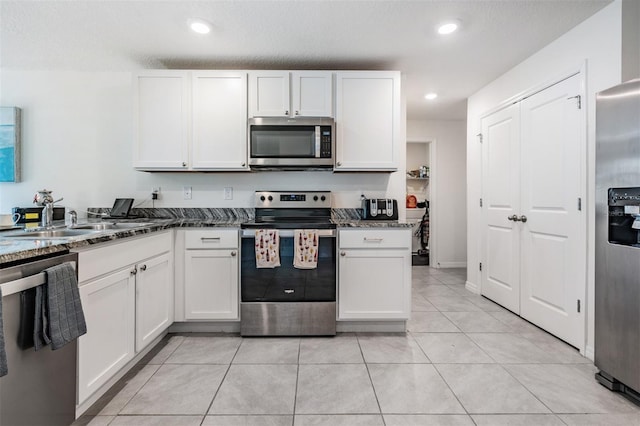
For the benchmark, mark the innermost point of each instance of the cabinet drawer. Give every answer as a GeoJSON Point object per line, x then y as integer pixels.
{"type": "Point", "coordinates": [213, 239]}
{"type": "Point", "coordinates": [94, 262]}
{"type": "Point", "coordinates": [375, 238]}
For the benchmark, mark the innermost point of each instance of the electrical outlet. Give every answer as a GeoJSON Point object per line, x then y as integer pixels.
{"type": "Point", "coordinates": [228, 193]}
{"type": "Point", "coordinates": [186, 192]}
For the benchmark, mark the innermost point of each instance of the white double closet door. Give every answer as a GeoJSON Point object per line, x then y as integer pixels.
{"type": "Point", "coordinates": [534, 245]}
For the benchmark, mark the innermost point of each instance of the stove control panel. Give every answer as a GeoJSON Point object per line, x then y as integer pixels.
{"type": "Point", "coordinates": [293, 199]}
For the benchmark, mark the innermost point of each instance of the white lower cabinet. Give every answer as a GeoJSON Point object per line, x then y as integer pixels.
{"type": "Point", "coordinates": [211, 275]}
{"type": "Point", "coordinates": [109, 310]}
{"type": "Point", "coordinates": [154, 299]}
{"type": "Point", "coordinates": [126, 290]}
{"type": "Point", "coordinates": [374, 274]}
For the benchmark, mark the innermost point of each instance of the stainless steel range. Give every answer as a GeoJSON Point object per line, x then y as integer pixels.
{"type": "Point", "coordinates": [286, 293]}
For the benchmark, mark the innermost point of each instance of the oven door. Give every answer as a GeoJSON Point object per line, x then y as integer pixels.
{"type": "Point", "coordinates": [286, 283]}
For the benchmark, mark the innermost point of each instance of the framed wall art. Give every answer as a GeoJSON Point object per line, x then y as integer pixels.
{"type": "Point", "coordinates": [10, 144]}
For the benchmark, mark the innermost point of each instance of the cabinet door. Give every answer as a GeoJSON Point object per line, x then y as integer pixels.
{"type": "Point", "coordinates": [108, 305]}
{"type": "Point", "coordinates": [154, 299]}
{"type": "Point", "coordinates": [367, 120]}
{"type": "Point", "coordinates": [374, 284]}
{"type": "Point", "coordinates": [219, 121]}
{"type": "Point", "coordinates": [161, 111]}
{"type": "Point", "coordinates": [312, 94]}
{"type": "Point", "coordinates": [211, 284]}
{"type": "Point", "coordinates": [269, 94]}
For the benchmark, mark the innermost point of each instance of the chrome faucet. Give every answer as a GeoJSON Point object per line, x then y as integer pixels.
{"type": "Point", "coordinates": [47, 212]}
{"type": "Point", "coordinates": [74, 218]}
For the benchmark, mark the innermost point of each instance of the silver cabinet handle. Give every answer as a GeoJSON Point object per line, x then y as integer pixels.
{"type": "Point", "coordinates": [523, 218]}
{"type": "Point", "coordinates": [233, 253]}
{"type": "Point", "coordinates": [134, 271]}
{"type": "Point", "coordinates": [184, 164]}
{"type": "Point", "coordinates": [243, 164]}
{"type": "Point", "coordinates": [342, 253]}
{"type": "Point", "coordinates": [513, 218]}
{"type": "Point", "coordinates": [210, 239]}
{"type": "Point", "coordinates": [286, 112]}
{"type": "Point", "coordinates": [297, 112]}
{"type": "Point", "coordinates": [143, 267]}
{"type": "Point", "coordinates": [373, 240]}
{"type": "Point", "coordinates": [338, 164]}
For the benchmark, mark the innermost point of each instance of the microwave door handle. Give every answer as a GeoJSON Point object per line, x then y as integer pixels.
{"type": "Point", "coordinates": [317, 150]}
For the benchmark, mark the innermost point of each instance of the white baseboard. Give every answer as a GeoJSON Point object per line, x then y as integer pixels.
{"type": "Point", "coordinates": [590, 353]}
{"type": "Point", "coordinates": [205, 327]}
{"type": "Point", "coordinates": [472, 287]}
{"type": "Point", "coordinates": [371, 326]}
{"type": "Point", "coordinates": [452, 264]}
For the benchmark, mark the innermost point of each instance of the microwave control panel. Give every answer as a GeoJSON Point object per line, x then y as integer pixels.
{"type": "Point", "coordinates": [325, 141]}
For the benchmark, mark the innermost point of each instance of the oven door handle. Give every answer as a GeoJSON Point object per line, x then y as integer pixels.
{"type": "Point", "coordinates": [288, 233]}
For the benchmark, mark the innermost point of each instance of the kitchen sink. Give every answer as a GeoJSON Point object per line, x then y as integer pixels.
{"type": "Point", "coordinates": [76, 231]}
{"type": "Point", "coordinates": [106, 226]}
{"type": "Point", "coordinates": [49, 233]}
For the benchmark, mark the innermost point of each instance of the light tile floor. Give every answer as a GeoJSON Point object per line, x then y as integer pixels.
{"type": "Point", "coordinates": [463, 361]}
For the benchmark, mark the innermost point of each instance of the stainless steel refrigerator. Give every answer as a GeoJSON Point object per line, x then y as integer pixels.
{"type": "Point", "coordinates": [617, 286]}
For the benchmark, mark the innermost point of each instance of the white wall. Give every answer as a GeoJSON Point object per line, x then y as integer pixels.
{"type": "Point", "coordinates": [77, 141]}
{"type": "Point", "coordinates": [596, 41]}
{"type": "Point", "coordinates": [448, 174]}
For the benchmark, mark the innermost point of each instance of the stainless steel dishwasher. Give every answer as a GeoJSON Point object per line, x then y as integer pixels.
{"type": "Point", "coordinates": [40, 388]}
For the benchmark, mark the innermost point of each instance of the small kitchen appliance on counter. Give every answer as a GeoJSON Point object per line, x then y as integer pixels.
{"type": "Point", "coordinates": [379, 209]}
{"type": "Point", "coordinates": [32, 216]}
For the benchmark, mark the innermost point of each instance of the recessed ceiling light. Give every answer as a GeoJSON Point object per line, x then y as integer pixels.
{"type": "Point", "coordinates": [431, 96]}
{"type": "Point", "coordinates": [199, 26]}
{"type": "Point", "coordinates": [448, 27]}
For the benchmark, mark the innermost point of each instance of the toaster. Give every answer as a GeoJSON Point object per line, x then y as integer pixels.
{"type": "Point", "coordinates": [379, 209]}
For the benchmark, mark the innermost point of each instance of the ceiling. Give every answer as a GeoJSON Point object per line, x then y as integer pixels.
{"type": "Point", "coordinates": [94, 35]}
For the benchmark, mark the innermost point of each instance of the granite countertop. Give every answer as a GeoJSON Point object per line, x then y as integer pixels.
{"type": "Point", "coordinates": [14, 250]}
{"type": "Point", "coordinates": [17, 249]}
{"type": "Point", "coordinates": [346, 223]}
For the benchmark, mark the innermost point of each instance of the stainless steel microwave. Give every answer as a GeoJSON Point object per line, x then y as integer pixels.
{"type": "Point", "coordinates": [291, 143]}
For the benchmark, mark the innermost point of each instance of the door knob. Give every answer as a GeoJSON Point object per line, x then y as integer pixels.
{"type": "Point", "coordinates": [523, 218]}
{"type": "Point", "coordinates": [513, 218]}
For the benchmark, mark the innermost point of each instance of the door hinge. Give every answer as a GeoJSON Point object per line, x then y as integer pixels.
{"type": "Point", "coordinates": [579, 204]}
{"type": "Point", "coordinates": [479, 135]}
{"type": "Point", "coordinates": [578, 305]}
{"type": "Point", "coordinates": [579, 99]}
{"type": "Point", "coordinates": [480, 202]}
{"type": "Point", "coordinates": [481, 266]}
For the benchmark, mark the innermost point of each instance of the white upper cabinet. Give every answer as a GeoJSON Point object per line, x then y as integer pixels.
{"type": "Point", "coordinates": [368, 121]}
{"type": "Point", "coordinates": [312, 94]}
{"type": "Point", "coordinates": [190, 120]}
{"type": "Point", "coordinates": [219, 120]}
{"type": "Point", "coordinates": [295, 94]}
{"type": "Point", "coordinates": [161, 114]}
{"type": "Point", "coordinates": [269, 94]}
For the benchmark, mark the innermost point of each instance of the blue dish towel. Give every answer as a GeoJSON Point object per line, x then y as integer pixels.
{"type": "Point", "coordinates": [3, 355]}
{"type": "Point", "coordinates": [59, 318]}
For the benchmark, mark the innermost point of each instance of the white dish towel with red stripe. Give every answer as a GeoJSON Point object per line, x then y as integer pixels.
{"type": "Point", "coordinates": [267, 248]}
{"type": "Point", "coordinates": [306, 249]}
